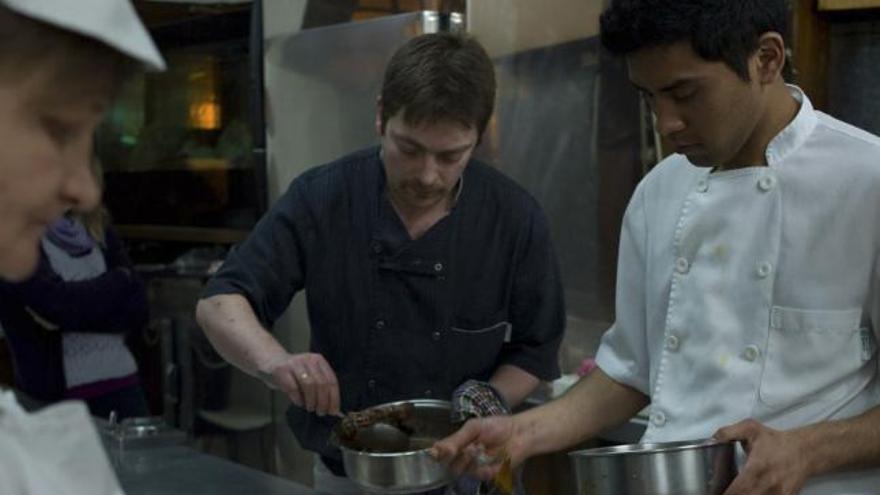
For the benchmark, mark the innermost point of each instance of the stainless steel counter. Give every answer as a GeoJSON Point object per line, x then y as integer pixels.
{"type": "Point", "coordinates": [180, 470]}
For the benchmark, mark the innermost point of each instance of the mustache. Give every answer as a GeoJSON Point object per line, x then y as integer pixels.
{"type": "Point", "coordinates": [422, 191]}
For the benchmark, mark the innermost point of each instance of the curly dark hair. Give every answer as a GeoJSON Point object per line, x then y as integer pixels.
{"type": "Point", "coordinates": [719, 30]}
{"type": "Point", "coordinates": [437, 77]}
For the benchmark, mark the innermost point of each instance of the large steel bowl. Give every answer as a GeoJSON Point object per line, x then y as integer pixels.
{"type": "Point", "coordinates": [703, 467]}
{"type": "Point", "coordinates": [412, 470]}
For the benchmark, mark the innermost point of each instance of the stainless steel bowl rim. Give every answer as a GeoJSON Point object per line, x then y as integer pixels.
{"type": "Point", "coordinates": [396, 455]}
{"type": "Point", "coordinates": [409, 453]}
{"type": "Point", "coordinates": [648, 448]}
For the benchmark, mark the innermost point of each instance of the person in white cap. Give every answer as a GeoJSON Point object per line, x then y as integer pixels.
{"type": "Point", "coordinates": [60, 65]}
{"type": "Point", "coordinates": [61, 62]}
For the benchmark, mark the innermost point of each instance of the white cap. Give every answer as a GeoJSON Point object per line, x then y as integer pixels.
{"type": "Point", "coordinates": [112, 22]}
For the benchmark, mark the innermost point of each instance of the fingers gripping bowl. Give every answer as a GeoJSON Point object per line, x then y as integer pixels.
{"type": "Point", "coordinates": [378, 460]}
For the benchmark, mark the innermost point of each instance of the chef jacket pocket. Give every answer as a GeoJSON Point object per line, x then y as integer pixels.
{"type": "Point", "coordinates": [810, 356]}
{"type": "Point", "coordinates": [475, 345]}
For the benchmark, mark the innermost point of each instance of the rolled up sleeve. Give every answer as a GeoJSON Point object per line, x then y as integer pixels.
{"type": "Point", "coordinates": [623, 352]}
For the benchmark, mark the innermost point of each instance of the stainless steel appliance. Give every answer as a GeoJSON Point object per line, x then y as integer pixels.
{"type": "Point", "coordinates": [677, 468]}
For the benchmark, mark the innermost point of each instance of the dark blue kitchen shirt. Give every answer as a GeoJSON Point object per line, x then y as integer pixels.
{"type": "Point", "coordinates": [398, 318]}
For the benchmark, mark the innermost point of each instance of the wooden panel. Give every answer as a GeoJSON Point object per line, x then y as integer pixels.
{"type": "Point", "coordinates": [156, 14]}
{"type": "Point", "coordinates": [552, 474]}
{"type": "Point", "coordinates": [848, 4]}
{"type": "Point", "coordinates": [810, 40]}
{"type": "Point", "coordinates": [182, 234]}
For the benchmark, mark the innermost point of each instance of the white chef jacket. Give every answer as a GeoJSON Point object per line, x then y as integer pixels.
{"type": "Point", "coordinates": [753, 293]}
{"type": "Point", "coordinates": [55, 451]}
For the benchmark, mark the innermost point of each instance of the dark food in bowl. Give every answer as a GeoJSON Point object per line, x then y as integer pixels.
{"type": "Point", "coordinates": [395, 415]}
{"type": "Point", "coordinates": [394, 428]}
{"type": "Point", "coordinates": [407, 467]}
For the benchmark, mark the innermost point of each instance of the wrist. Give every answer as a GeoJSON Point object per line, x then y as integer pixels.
{"type": "Point", "coordinates": [269, 362]}
{"type": "Point", "coordinates": [809, 441]}
{"type": "Point", "coordinates": [522, 444]}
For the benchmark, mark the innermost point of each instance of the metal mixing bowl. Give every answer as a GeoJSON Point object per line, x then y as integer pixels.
{"type": "Point", "coordinates": [411, 470]}
{"type": "Point", "coordinates": [701, 467]}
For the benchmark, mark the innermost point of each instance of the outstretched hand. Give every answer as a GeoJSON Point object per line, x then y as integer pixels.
{"type": "Point", "coordinates": [480, 448]}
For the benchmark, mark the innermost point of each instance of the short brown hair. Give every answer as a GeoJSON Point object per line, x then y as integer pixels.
{"type": "Point", "coordinates": [440, 77]}
{"type": "Point", "coordinates": [25, 44]}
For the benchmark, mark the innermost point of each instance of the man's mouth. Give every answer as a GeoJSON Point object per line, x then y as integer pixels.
{"type": "Point", "coordinates": [686, 148]}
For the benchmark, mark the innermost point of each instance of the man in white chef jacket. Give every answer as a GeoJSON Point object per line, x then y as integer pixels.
{"type": "Point", "coordinates": [748, 291]}
{"type": "Point", "coordinates": [61, 63]}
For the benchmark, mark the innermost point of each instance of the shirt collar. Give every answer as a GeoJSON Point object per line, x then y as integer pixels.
{"type": "Point", "coordinates": [459, 186]}
{"type": "Point", "coordinates": [796, 133]}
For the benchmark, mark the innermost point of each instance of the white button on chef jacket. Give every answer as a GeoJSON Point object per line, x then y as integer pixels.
{"type": "Point", "coordinates": [682, 266]}
{"type": "Point", "coordinates": [658, 419]}
{"type": "Point", "coordinates": [767, 183]}
{"type": "Point", "coordinates": [764, 269]}
{"type": "Point", "coordinates": [751, 353]}
{"type": "Point", "coordinates": [784, 347]}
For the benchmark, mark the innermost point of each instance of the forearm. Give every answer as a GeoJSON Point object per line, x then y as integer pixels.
{"type": "Point", "coordinates": [514, 384]}
{"type": "Point", "coordinates": [844, 445]}
{"type": "Point", "coordinates": [112, 302]}
{"type": "Point", "coordinates": [595, 403]}
{"type": "Point", "coordinates": [235, 332]}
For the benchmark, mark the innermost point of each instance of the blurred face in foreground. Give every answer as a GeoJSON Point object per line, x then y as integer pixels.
{"type": "Point", "coordinates": [47, 124]}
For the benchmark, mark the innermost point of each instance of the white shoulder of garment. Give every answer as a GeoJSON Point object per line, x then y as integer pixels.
{"type": "Point", "coordinates": [55, 450]}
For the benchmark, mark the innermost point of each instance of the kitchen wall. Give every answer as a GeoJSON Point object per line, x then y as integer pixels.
{"type": "Point", "coordinates": [282, 18]}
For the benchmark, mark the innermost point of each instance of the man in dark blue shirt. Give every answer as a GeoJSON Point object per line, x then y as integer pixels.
{"type": "Point", "coordinates": [422, 267]}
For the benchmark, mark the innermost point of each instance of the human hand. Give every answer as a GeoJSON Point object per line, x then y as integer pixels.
{"type": "Point", "coordinates": [307, 379]}
{"type": "Point", "coordinates": [776, 463]}
{"type": "Point", "coordinates": [480, 448]}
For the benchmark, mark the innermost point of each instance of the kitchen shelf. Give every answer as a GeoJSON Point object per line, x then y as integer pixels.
{"type": "Point", "coordinates": [182, 234]}
{"type": "Point", "coordinates": [838, 5]}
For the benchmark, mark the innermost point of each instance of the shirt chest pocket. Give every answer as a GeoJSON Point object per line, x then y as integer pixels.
{"type": "Point", "coordinates": [476, 345]}
{"type": "Point", "coordinates": [812, 356]}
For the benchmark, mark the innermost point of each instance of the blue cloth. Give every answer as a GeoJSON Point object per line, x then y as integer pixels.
{"type": "Point", "coordinates": [70, 235]}
{"type": "Point", "coordinates": [398, 318]}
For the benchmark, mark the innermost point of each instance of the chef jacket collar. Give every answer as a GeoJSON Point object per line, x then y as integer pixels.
{"type": "Point", "coordinates": [796, 133]}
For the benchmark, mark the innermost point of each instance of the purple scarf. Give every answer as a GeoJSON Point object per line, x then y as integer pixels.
{"type": "Point", "coordinates": [71, 236]}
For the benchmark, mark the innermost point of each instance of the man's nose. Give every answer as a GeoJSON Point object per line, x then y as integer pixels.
{"type": "Point", "coordinates": [428, 173]}
{"type": "Point", "coordinates": [668, 120]}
